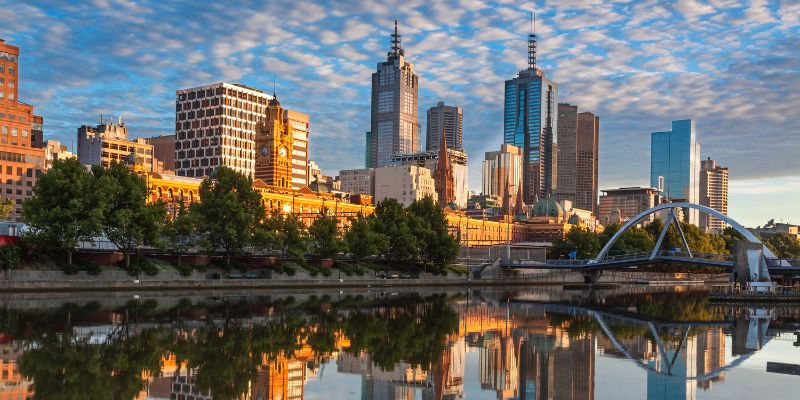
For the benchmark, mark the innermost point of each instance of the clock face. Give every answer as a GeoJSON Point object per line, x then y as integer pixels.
{"type": "Point", "coordinates": [264, 151]}
{"type": "Point", "coordinates": [282, 151]}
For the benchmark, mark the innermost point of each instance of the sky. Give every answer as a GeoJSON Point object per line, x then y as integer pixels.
{"type": "Point", "coordinates": [732, 66]}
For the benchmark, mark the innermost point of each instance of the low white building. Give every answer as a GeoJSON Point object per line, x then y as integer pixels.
{"type": "Point", "coordinates": [404, 183]}
{"type": "Point", "coordinates": [458, 164]}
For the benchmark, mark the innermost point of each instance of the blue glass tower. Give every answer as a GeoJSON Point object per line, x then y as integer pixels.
{"type": "Point", "coordinates": [675, 164]}
{"type": "Point", "coordinates": [529, 122]}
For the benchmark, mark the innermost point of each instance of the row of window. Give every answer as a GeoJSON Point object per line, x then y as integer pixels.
{"type": "Point", "coordinates": [11, 82]}
{"type": "Point", "coordinates": [122, 147]}
{"type": "Point", "coordinates": [21, 118]}
{"type": "Point", "coordinates": [29, 172]}
{"type": "Point", "coordinates": [9, 96]}
{"type": "Point", "coordinates": [203, 93]}
{"type": "Point", "coordinates": [5, 56]}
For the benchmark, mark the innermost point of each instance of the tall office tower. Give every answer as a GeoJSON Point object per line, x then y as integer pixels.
{"type": "Point", "coordinates": [274, 142]}
{"type": "Point", "coordinates": [447, 119]}
{"type": "Point", "coordinates": [215, 126]}
{"type": "Point", "coordinates": [675, 165]}
{"type": "Point", "coordinates": [502, 169]}
{"type": "Point", "coordinates": [108, 142]}
{"type": "Point", "coordinates": [368, 150]}
{"type": "Point", "coordinates": [443, 176]}
{"type": "Point", "coordinates": [22, 159]}
{"type": "Point", "coordinates": [298, 124]}
{"type": "Point", "coordinates": [395, 121]}
{"type": "Point", "coordinates": [578, 157]}
{"type": "Point", "coordinates": [713, 193]}
{"type": "Point", "coordinates": [530, 123]}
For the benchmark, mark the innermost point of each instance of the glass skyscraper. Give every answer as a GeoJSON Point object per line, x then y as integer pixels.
{"type": "Point", "coordinates": [395, 120]}
{"type": "Point", "coordinates": [675, 164]}
{"type": "Point", "coordinates": [530, 123]}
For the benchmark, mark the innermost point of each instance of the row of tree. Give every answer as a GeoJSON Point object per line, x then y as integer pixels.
{"type": "Point", "coordinates": [72, 204]}
{"type": "Point", "coordinates": [587, 244]}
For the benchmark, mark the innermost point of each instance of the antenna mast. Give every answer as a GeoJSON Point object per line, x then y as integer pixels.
{"type": "Point", "coordinates": [532, 44]}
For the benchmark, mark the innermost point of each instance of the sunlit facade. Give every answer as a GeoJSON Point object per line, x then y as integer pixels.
{"type": "Point", "coordinates": [675, 165]}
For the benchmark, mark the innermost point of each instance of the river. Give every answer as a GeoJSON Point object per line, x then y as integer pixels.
{"type": "Point", "coordinates": [634, 342]}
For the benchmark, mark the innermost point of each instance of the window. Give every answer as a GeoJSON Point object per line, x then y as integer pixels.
{"type": "Point", "coordinates": [11, 71]}
{"type": "Point", "coordinates": [10, 96]}
{"type": "Point", "coordinates": [11, 84]}
{"type": "Point", "coordinates": [14, 131]}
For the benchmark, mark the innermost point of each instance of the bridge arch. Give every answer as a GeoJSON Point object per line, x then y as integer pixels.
{"type": "Point", "coordinates": [671, 206]}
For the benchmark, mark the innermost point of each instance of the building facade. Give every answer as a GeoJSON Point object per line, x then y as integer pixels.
{"type": "Point", "coordinates": [675, 165]}
{"type": "Point", "coordinates": [108, 142]}
{"type": "Point", "coordinates": [458, 166]}
{"type": "Point", "coordinates": [54, 150]}
{"type": "Point", "coordinates": [395, 105]}
{"type": "Point", "coordinates": [530, 122]}
{"type": "Point", "coordinates": [404, 183]}
{"type": "Point", "coordinates": [215, 126]}
{"type": "Point", "coordinates": [443, 175]}
{"type": "Point", "coordinates": [274, 143]}
{"type": "Point", "coordinates": [163, 152]}
{"type": "Point", "coordinates": [358, 181]}
{"type": "Point", "coordinates": [713, 194]}
{"type": "Point", "coordinates": [620, 205]}
{"type": "Point", "coordinates": [578, 153]}
{"type": "Point", "coordinates": [447, 119]}
{"type": "Point", "coordinates": [298, 124]}
{"type": "Point", "coordinates": [502, 169]}
{"type": "Point", "coordinates": [22, 159]}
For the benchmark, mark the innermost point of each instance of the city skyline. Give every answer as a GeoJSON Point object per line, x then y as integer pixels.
{"type": "Point", "coordinates": [734, 83]}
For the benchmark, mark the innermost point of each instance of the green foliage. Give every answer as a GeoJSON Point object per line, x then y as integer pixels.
{"type": "Point", "coordinates": [325, 237]}
{"type": "Point", "coordinates": [429, 227]}
{"type": "Point", "coordinates": [6, 206]}
{"type": "Point", "coordinates": [229, 212]}
{"type": "Point", "coordinates": [730, 236]}
{"type": "Point", "coordinates": [783, 245]}
{"type": "Point", "coordinates": [635, 240]}
{"type": "Point", "coordinates": [10, 256]}
{"type": "Point", "coordinates": [65, 208]}
{"type": "Point", "coordinates": [290, 235]}
{"type": "Point", "coordinates": [361, 240]}
{"type": "Point", "coordinates": [128, 220]}
{"type": "Point", "coordinates": [180, 232]}
{"type": "Point", "coordinates": [584, 242]}
{"type": "Point", "coordinates": [391, 221]}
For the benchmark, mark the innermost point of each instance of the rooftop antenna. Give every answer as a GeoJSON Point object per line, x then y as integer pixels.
{"type": "Point", "coordinates": [532, 43]}
{"type": "Point", "coordinates": [397, 49]}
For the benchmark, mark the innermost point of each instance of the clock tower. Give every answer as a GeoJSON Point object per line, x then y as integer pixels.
{"type": "Point", "coordinates": [274, 148]}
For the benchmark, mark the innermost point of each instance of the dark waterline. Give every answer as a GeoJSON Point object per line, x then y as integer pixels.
{"type": "Point", "coordinates": [485, 343]}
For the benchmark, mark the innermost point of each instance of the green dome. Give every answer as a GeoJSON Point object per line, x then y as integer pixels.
{"type": "Point", "coordinates": [548, 207]}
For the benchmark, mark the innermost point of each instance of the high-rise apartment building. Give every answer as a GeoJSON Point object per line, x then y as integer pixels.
{"type": "Point", "coordinates": [502, 170]}
{"type": "Point", "coordinates": [395, 100]}
{"type": "Point", "coordinates": [163, 152]}
{"type": "Point", "coordinates": [530, 122]}
{"type": "Point", "coordinates": [108, 142]}
{"type": "Point", "coordinates": [447, 119]}
{"type": "Point", "coordinates": [713, 194]}
{"type": "Point", "coordinates": [298, 124]}
{"type": "Point", "coordinates": [215, 126]}
{"type": "Point", "coordinates": [620, 205]}
{"type": "Point", "coordinates": [22, 159]}
{"type": "Point", "coordinates": [675, 165]}
{"type": "Point", "coordinates": [578, 145]}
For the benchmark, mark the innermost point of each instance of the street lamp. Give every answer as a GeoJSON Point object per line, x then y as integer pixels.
{"type": "Point", "coordinates": [508, 222]}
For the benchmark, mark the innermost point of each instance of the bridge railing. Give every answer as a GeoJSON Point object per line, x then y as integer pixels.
{"type": "Point", "coordinates": [676, 255]}
{"type": "Point", "coordinates": [783, 262]}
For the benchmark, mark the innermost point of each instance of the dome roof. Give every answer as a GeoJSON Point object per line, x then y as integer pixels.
{"type": "Point", "coordinates": [548, 207]}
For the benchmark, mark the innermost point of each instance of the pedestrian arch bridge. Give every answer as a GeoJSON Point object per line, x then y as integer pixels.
{"type": "Point", "coordinates": [683, 255]}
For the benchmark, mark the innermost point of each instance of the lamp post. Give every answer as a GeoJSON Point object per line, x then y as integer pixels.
{"type": "Point", "coordinates": [508, 222]}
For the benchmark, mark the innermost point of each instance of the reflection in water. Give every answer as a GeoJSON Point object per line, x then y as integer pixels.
{"type": "Point", "coordinates": [407, 346]}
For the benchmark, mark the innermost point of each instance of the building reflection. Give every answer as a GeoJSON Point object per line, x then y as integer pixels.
{"type": "Point", "coordinates": [533, 354]}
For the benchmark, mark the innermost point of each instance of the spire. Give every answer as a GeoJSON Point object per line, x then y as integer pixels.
{"type": "Point", "coordinates": [532, 43]}
{"type": "Point", "coordinates": [443, 177]}
{"type": "Point", "coordinates": [397, 49]}
{"type": "Point", "coordinates": [506, 201]}
{"type": "Point", "coordinates": [273, 87]}
{"type": "Point", "coordinates": [520, 206]}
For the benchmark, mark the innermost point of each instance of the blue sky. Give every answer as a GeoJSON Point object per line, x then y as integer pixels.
{"type": "Point", "coordinates": [732, 66]}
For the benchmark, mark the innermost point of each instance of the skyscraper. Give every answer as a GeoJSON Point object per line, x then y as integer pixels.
{"type": "Point", "coordinates": [530, 122]}
{"type": "Point", "coordinates": [578, 157]}
{"type": "Point", "coordinates": [713, 193]}
{"type": "Point", "coordinates": [22, 159]}
{"type": "Point", "coordinates": [675, 165]}
{"type": "Point", "coordinates": [447, 119]}
{"type": "Point", "coordinates": [502, 169]}
{"type": "Point", "coordinates": [395, 120]}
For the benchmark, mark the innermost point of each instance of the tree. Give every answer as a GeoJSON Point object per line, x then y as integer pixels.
{"type": "Point", "coordinates": [65, 208]}
{"type": "Point", "coordinates": [634, 240]}
{"type": "Point", "coordinates": [6, 206]}
{"type": "Point", "coordinates": [391, 221]}
{"type": "Point", "coordinates": [361, 240]}
{"type": "Point", "coordinates": [128, 220]}
{"type": "Point", "coordinates": [784, 245]}
{"type": "Point", "coordinates": [292, 236]}
{"type": "Point", "coordinates": [429, 226]}
{"type": "Point", "coordinates": [582, 241]}
{"type": "Point", "coordinates": [229, 212]}
{"type": "Point", "coordinates": [10, 256]}
{"type": "Point", "coordinates": [325, 237]}
{"type": "Point", "coordinates": [730, 235]}
{"type": "Point", "coordinates": [180, 232]}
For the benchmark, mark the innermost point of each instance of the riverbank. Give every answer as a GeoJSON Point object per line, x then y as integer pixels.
{"type": "Point", "coordinates": [39, 281]}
